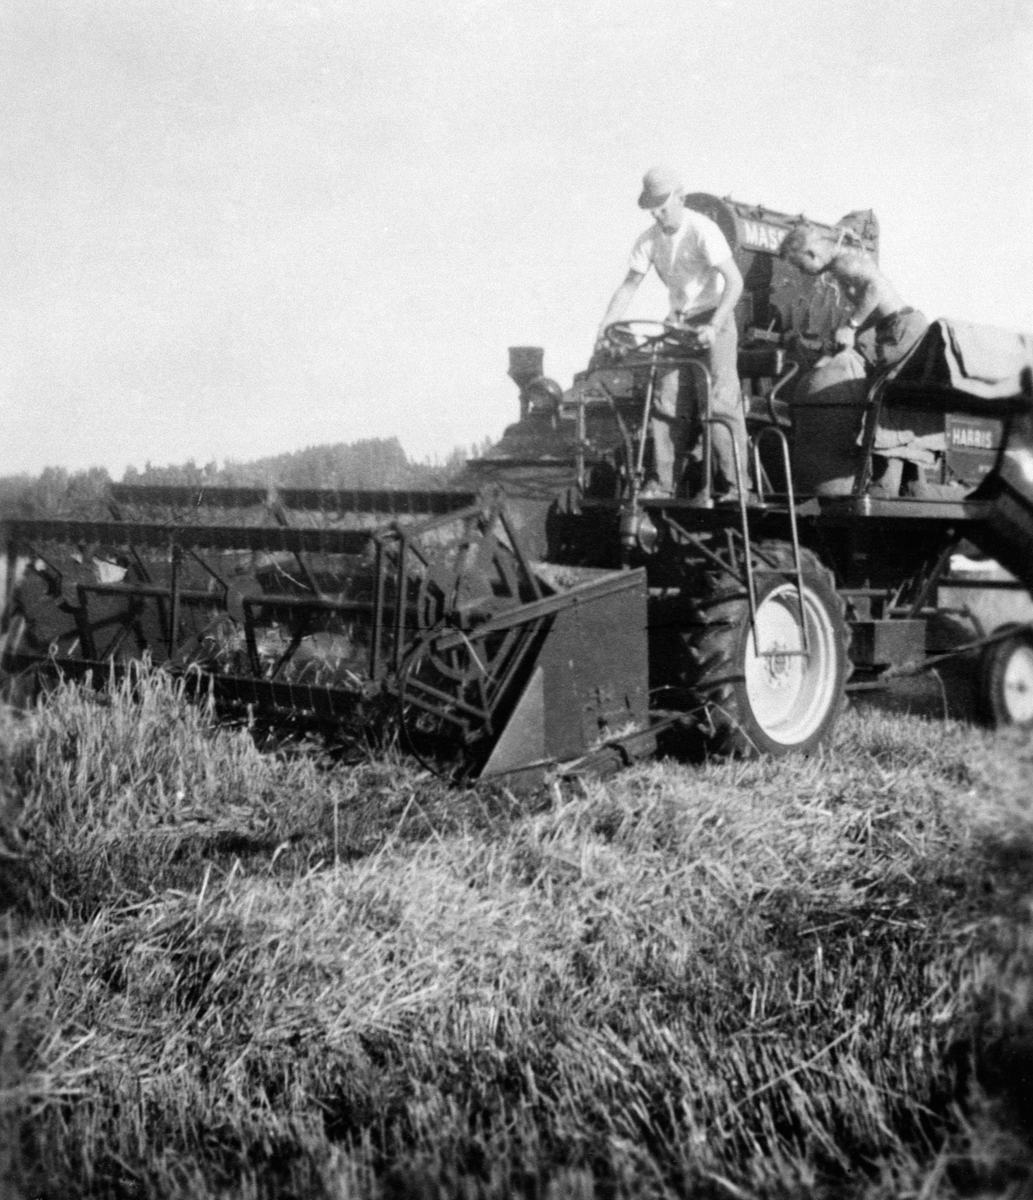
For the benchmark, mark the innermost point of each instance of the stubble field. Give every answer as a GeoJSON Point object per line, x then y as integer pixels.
{"type": "Point", "coordinates": [234, 974]}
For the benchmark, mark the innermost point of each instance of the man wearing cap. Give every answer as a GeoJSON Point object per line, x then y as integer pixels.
{"type": "Point", "coordinates": [693, 259]}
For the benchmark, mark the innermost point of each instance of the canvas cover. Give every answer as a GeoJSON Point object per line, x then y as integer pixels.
{"type": "Point", "coordinates": [980, 361]}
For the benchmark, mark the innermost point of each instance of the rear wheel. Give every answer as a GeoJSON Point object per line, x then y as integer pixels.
{"type": "Point", "coordinates": [1006, 681]}
{"type": "Point", "coordinates": [764, 692]}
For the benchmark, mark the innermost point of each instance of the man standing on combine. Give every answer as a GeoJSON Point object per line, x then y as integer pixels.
{"type": "Point", "coordinates": [693, 259]}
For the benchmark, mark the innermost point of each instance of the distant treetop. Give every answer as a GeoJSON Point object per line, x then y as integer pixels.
{"type": "Point", "coordinates": [373, 463]}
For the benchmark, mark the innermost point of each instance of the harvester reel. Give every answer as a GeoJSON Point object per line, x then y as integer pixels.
{"type": "Point", "coordinates": [448, 694]}
{"type": "Point", "coordinates": [454, 675]}
{"type": "Point", "coordinates": [463, 574]}
{"type": "Point", "coordinates": [446, 621]}
{"type": "Point", "coordinates": [478, 569]}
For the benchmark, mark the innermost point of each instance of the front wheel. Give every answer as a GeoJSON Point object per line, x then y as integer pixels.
{"type": "Point", "coordinates": [1006, 681]}
{"type": "Point", "coordinates": [767, 688]}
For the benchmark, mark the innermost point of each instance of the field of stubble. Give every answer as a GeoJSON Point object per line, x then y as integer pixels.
{"type": "Point", "coordinates": [242, 975]}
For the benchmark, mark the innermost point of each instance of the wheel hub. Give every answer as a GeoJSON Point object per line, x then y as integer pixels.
{"type": "Point", "coordinates": [790, 690]}
{"type": "Point", "coordinates": [1018, 686]}
{"type": "Point", "coordinates": [779, 662]}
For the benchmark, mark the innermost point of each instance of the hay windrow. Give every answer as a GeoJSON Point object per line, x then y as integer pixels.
{"type": "Point", "coordinates": [242, 974]}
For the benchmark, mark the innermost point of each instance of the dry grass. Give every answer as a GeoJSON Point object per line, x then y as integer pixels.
{"type": "Point", "coordinates": [238, 975]}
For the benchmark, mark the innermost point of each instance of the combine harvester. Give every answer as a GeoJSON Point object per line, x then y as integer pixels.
{"type": "Point", "coordinates": [546, 613]}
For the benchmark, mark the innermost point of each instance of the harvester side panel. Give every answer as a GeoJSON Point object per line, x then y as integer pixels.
{"type": "Point", "coordinates": [589, 684]}
{"type": "Point", "coordinates": [596, 666]}
{"type": "Point", "coordinates": [973, 386]}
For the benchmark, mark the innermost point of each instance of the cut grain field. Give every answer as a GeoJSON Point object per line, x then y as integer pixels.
{"type": "Point", "coordinates": [235, 974]}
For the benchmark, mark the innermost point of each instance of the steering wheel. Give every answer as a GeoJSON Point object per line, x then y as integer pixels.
{"type": "Point", "coordinates": [649, 337]}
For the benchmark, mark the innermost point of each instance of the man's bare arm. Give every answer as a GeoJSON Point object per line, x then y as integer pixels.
{"type": "Point", "coordinates": [618, 306]}
{"type": "Point", "coordinates": [730, 296]}
{"type": "Point", "coordinates": [726, 306]}
{"type": "Point", "coordinates": [872, 294]}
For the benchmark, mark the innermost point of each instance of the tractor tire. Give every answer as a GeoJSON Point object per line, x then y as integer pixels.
{"type": "Point", "coordinates": [779, 705]}
{"type": "Point", "coordinates": [1005, 681]}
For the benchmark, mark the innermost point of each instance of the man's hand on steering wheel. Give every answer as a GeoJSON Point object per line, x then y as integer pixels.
{"type": "Point", "coordinates": [693, 337]}
{"type": "Point", "coordinates": [649, 337]}
{"type": "Point", "coordinates": [705, 335]}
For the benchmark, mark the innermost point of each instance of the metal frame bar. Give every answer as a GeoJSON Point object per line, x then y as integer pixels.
{"type": "Point", "coordinates": [493, 682]}
{"type": "Point", "coordinates": [650, 355]}
{"type": "Point", "coordinates": [403, 554]}
{"type": "Point", "coordinates": [777, 432]}
{"type": "Point", "coordinates": [177, 556]}
{"type": "Point", "coordinates": [518, 550]}
{"type": "Point", "coordinates": [163, 536]}
{"type": "Point", "coordinates": [379, 587]}
{"type": "Point", "coordinates": [83, 625]}
{"type": "Point", "coordinates": [705, 550]}
{"type": "Point", "coordinates": [383, 502]}
{"type": "Point", "coordinates": [928, 663]}
{"type": "Point", "coordinates": [280, 514]}
{"type": "Point", "coordinates": [942, 563]}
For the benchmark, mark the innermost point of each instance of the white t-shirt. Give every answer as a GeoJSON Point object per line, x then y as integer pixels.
{"type": "Point", "coordinates": [685, 261]}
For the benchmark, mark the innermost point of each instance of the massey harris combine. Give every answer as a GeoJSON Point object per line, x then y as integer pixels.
{"type": "Point", "coordinates": [547, 613]}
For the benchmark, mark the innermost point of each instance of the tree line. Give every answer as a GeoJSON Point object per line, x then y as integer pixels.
{"type": "Point", "coordinates": [372, 463]}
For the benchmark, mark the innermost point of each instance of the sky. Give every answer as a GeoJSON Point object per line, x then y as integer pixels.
{"type": "Point", "coordinates": [236, 228]}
